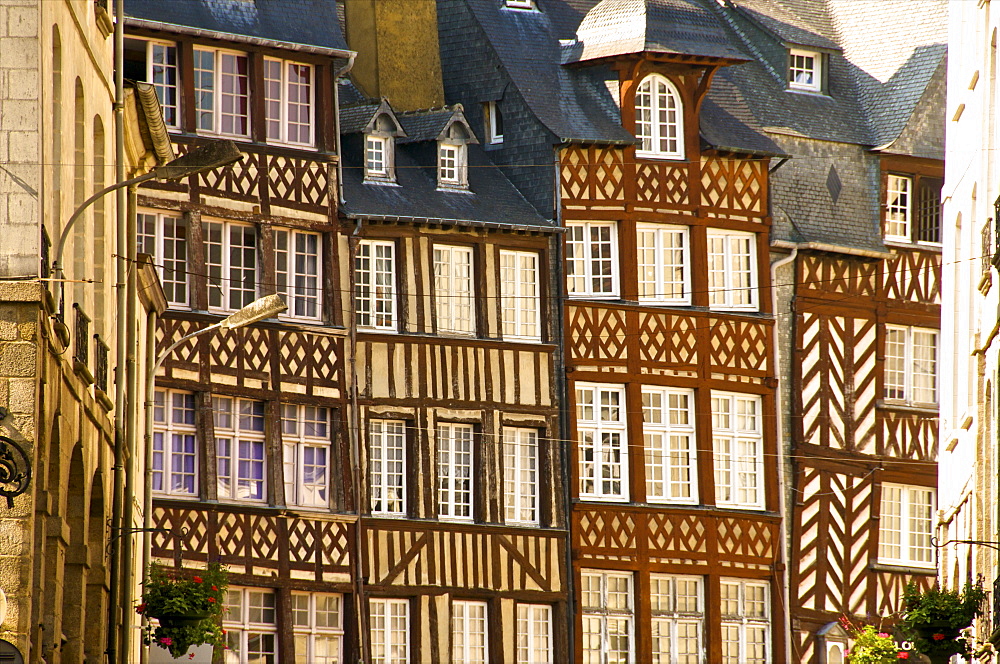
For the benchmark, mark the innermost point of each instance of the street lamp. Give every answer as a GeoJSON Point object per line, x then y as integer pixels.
{"type": "Point", "coordinates": [258, 310]}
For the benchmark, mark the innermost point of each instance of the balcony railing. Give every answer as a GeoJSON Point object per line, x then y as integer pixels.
{"type": "Point", "coordinates": [81, 353]}
{"type": "Point", "coordinates": [100, 364]}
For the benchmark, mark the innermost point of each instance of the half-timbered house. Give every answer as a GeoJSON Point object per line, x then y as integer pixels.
{"type": "Point", "coordinates": [667, 326]}
{"type": "Point", "coordinates": [854, 94]}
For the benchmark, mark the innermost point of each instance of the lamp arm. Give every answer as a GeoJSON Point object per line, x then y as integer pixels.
{"type": "Point", "coordinates": [151, 379]}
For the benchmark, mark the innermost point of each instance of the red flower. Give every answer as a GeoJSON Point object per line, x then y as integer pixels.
{"type": "Point", "coordinates": [197, 579]}
{"type": "Point", "coordinates": [211, 600]}
{"type": "Point", "coordinates": [938, 637]}
{"type": "Point", "coordinates": [141, 608]}
{"type": "Point", "coordinates": [215, 587]}
{"type": "Point", "coordinates": [191, 656]}
{"type": "Point", "coordinates": [166, 640]}
{"type": "Point", "coordinates": [903, 655]}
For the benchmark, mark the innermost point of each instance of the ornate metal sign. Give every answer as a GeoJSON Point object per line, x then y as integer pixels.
{"type": "Point", "coordinates": [15, 470]}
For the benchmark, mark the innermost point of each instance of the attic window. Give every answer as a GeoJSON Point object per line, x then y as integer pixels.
{"type": "Point", "coordinates": [519, 4]}
{"type": "Point", "coordinates": [452, 171]}
{"type": "Point", "coordinates": [805, 70]}
{"type": "Point", "coordinates": [379, 151]}
{"type": "Point", "coordinates": [493, 120]}
{"type": "Point", "coordinates": [659, 119]}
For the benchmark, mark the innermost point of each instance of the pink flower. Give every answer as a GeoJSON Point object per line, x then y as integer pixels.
{"type": "Point", "coordinates": [938, 637]}
{"type": "Point", "coordinates": [166, 640]}
{"type": "Point", "coordinates": [883, 635]}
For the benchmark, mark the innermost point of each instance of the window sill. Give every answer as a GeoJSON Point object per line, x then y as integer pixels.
{"type": "Point", "coordinates": [906, 243]}
{"type": "Point", "coordinates": [659, 156]}
{"type": "Point", "coordinates": [603, 499]}
{"type": "Point", "coordinates": [906, 407]}
{"type": "Point", "coordinates": [380, 182]}
{"type": "Point", "coordinates": [902, 568]}
{"type": "Point", "coordinates": [455, 189]}
{"type": "Point", "coordinates": [812, 92]}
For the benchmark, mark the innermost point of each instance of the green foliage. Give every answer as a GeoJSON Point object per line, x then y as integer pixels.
{"type": "Point", "coordinates": [935, 617]}
{"type": "Point", "coordinates": [872, 646]}
{"type": "Point", "coordinates": [187, 604]}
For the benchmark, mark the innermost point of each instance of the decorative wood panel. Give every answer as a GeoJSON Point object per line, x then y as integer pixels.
{"type": "Point", "coordinates": [667, 338]}
{"type": "Point", "coordinates": [909, 435]}
{"type": "Point", "coordinates": [889, 589]}
{"type": "Point", "coordinates": [252, 538]}
{"type": "Point", "coordinates": [734, 186]}
{"type": "Point", "coordinates": [597, 333]}
{"type": "Point", "coordinates": [835, 275]}
{"type": "Point", "coordinates": [432, 554]}
{"type": "Point", "coordinates": [268, 355]}
{"type": "Point", "coordinates": [636, 535]}
{"type": "Point", "coordinates": [662, 184]}
{"type": "Point", "coordinates": [913, 276]}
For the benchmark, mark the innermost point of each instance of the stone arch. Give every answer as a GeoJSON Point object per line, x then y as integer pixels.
{"type": "Point", "coordinates": [80, 233]}
{"type": "Point", "coordinates": [99, 244]}
{"type": "Point", "coordinates": [74, 615]}
{"type": "Point", "coordinates": [96, 606]}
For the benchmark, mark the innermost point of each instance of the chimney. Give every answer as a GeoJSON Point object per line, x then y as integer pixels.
{"type": "Point", "coordinates": [398, 54]}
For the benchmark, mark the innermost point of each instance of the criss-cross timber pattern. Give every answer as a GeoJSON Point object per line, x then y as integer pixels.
{"type": "Point", "coordinates": [914, 276]}
{"type": "Point", "coordinates": [251, 540]}
{"type": "Point", "coordinates": [639, 534]}
{"type": "Point", "coordinates": [452, 555]}
{"type": "Point", "coordinates": [834, 275]}
{"type": "Point", "coordinates": [909, 435]}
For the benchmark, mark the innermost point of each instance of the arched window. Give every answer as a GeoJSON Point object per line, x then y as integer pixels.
{"type": "Point", "coordinates": [659, 119]}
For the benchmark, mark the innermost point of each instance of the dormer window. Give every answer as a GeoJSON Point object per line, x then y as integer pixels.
{"type": "Point", "coordinates": [379, 149]}
{"type": "Point", "coordinates": [805, 70]}
{"type": "Point", "coordinates": [519, 4]}
{"type": "Point", "coordinates": [451, 165]}
{"type": "Point", "coordinates": [659, 119]}
{"type": "Point", "coordinates": [493, 121]}
{"type": "Point", "coordinates": [376, 164]}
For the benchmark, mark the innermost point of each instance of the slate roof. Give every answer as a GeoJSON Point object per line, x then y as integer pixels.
{"type": "Point", "coordinates": [304, 22]}
{"type": "Point", "coordinates": [675, 27]}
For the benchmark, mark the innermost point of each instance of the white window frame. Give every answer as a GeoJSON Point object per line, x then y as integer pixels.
{"type": "Point", "coordinates": [247, 621]}
{"type": "Point", "coordinates": [383, 171]}
{"type": "Point", "coordinates": [246, 426]}
{"type": "Point", "coordinates": [662, 257]}
{"type": "Point", "coordinates": [215, 111]}
{"type": "Point", "coordinates": [455, 471]}
{"type": "Point", "coordinates": [911, 368]}
{"type": "Point", "coordinates": [306, 429]}
{"type": "Point", "coordinates": [311, 626]}
{"type": "Point", "coordinates": [655, 97]}
{"type": "Point", "coordinates": [534, 634]}
{"type": "Point", "coordinates": [520, 475]}
{"type": "Point", "coordinates": [597, 612]}
{"type": "Point", "coordinates": [283, 103]}
{"type": "Point", "coordinates": [469, 619]}
{"type": "Point", "coordinates": [906, 525]}
{"type": "Point", "coordinates": [173, 428]}
{"type": "Point", "coordinates": [299, 280]}
{"type": "Point", "coordinates": [581, 276]}
{"type": "Point", "coordinates": [491, 110]}
{"type": "Point", "coordinates": [520, 4]}
{"type": "Point", "coordinates": [670, 445]}
{"type": "Point", "coordinates": [798, 65]}
{"type": "Point", "coordinates": [454, 175]}
{"type": "Point", "coordinates": [158, 68]}
{"type": "Point", "coordinates": [737, 625]}
{"type": "Point", "coordinates": [738, 450]}
{"type": "Point", "coordinates": [594, 422]}
{"type": "Point", "coordinates": [389, 622]}
{"type": "Point", "coordinates": [170, 251]}
{"type": "Point", "coordinates": [387, 473]}
{"type": "Point", "coordinates": [732, 271]}
{"type": "Point", "coordinates": [454, 298]}
{"type": "Point", "coordinates": [231, 296]}
{"type": "Point", "coordinates": [677, 605]}
{"type": "Point", "coordinates": [899, 195]}
{"type": "Point", "coordinates": [520, 295]}
{"type": "Point", "coordinates": [375, 285]}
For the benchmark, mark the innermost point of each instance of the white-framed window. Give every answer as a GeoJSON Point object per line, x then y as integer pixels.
{"type": "Point", "coordinates": [677, 604]}
{"type": "Point", "coordinates": [305, 438]}
{"type": "Point", "coordinates": [520, 475]}
{"type": "Point", "coordinates": [519, 4]}
{"type": "Point", "coordinates": [251, 626]}
{"type": "Point", "coordinates": [379, 158]}
{"type": "Point", "coordinates": [386, 456]}
{"type": "Point", "coordinates": [664, 263]}
{"type": "Point", "coordinates": [468, 632]}
{"type": "Point", "coordinates": [155, 62]}
{"type": "Point", "coordinates": [454, 462]}
{"type": "Point", "coordinates": [164, 237]}
{"type": "Point", "coordinates": [288, 102]}
{"type": "Point", "coordinates": [911, 364]}
{"type": "Point", "coordinates": [493, 117]}
{"type": "Point", "coordinates": [231, 262]}
{"type": "Point", "coordinates": [534, 634]}
{"type": "Point", "coordinates": [898, 207]}
{"type": "Point", "coordinates": [175, 444]}
{"type": "Point", "coordinates": [375, 284]}
{"type": "Point", "coordinates": [318, 627]}
{"type": "Point", "coordinates": [732, 270]}
{"type": "Point", "coordinates": [906, 525]}
{"type": "Point", "coordinates": [805, 70]}
{"type": "Point", "coordinates": [746, 622]}
{"type": "Point", "coordinates": [239, 442]}
{"type": "Point", "coordinates": [592, 259]}
{"type": "Point", "coordinates": [738, 447]}
{"type": "Point", "coordinates": [297, 271]}
{"type": "Point", "coordinates": [519, 295]}
{"type": "Point", "coordinates": [453, 275]}
{"type": "Point", "coordinates": [603, 440]}
{"type": "Point", "coordinates": [606, 601]}
{"type": "Point", "coordinates": [669, 440]}
{"type": "Point", "coordinates": [659, 119]}
{"type": "Point", "coordinates": [222, 92]}
{"type": "Point", "coordinates": [389, 628]}
{"type": "Point", "coordinates": [453, 170]}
